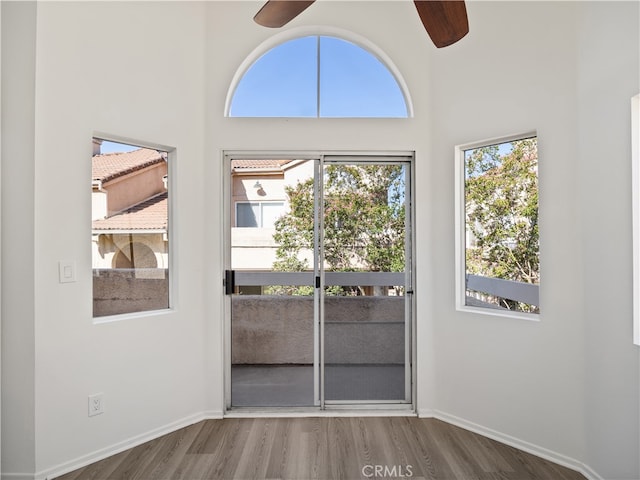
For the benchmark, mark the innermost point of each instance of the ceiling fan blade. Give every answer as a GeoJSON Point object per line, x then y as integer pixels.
{"type": "Point", "coordinates": [445, 21]}
{"type": "Point", "coordinates": [276, 13]}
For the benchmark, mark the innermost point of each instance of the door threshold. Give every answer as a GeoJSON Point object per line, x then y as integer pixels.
{"type": "Point", "coordinates": [329, 411]}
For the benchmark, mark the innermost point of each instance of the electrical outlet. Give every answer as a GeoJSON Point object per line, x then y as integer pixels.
{"type": "Point", "coordinates": [96, 404]}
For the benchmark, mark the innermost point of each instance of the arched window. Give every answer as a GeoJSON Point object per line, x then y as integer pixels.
{"type": "Point", "coordinates": [318, 76]}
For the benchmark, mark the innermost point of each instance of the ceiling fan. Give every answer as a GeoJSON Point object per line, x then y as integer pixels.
{"type": "Point", "coordinates": [445, 20]}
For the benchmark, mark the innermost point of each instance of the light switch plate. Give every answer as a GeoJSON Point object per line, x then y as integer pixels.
{"type": "Point", "coordinates": [67, 271]}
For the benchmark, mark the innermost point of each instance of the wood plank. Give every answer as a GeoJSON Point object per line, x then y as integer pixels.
{"type": "Point", "coordinates": [167, 457]}
{"type": "Point", "coordinates": [254, 461]}
{"type": "Point", "coordinates": [322, 448]}
{"type": "Point", "coordinates": [231, 441]}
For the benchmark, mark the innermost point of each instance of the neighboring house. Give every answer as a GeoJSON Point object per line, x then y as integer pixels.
{"type": "Point", "coordinates": [130, 210]}
{"type": "Point", "coordinates": [258, 199]}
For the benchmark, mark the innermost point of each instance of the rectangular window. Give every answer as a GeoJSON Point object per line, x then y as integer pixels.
{"type": "Point", "coordinates": [497, 230]}
{"type": "Point", "coordinates": [130, 228]}
{"type": "Point", "coordinates": [258, 214]}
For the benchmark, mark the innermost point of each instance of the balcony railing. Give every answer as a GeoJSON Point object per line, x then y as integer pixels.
{"type": "Point", "coordinates": [476, 286]}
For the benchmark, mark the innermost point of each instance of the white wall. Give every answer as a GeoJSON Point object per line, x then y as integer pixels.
{"type": "Point", "coordinates": [131, 69]}
{"type": "Point", "coordinates": [159, 72]}
{"type": "Point", "coordinates": [521, 378]}
{"type": "Point", "coordinates": [552, 384]}
{"type": "Point", "coordinates": [18, 295]}
{"type": "Point", "coordinates": [608, 76]}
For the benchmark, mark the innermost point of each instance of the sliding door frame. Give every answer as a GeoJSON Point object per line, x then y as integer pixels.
{"type": "Point", "coordinates": [320, 158]}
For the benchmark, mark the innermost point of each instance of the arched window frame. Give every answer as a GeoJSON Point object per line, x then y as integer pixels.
{"type": "Point", "coordinates": [322, 31]}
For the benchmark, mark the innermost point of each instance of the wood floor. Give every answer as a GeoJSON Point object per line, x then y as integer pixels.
{"type": "Point", "coordinates": [323, 448]}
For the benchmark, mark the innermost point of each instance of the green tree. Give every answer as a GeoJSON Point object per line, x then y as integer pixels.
{"type": "Point", "coordinates": [501, 197]}
{"type": "Point", "coordinates": [364, 223]}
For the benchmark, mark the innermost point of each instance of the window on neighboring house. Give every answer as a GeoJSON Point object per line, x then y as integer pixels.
{"type": "Point", "coordinates": [258, 214]}
{"type": "Point", "coordinates": [130, 228]}
{"type": "Point", "coordinates": [498, 254]}
{"type": "Point", "coordinates": [318, 76]}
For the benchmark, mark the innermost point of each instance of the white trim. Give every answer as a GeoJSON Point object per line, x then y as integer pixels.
{"type": "Point", "coordinates": [460, 229]}
{"type": "Point", "coordinates": [497, 140]}
{"type": "Point", "coordinates": [635, 208]}
{"type": "Point", "coordinates": [319, 31]}
{"type": "Point", "coordinates": [172, 226]}
{"type": "Point", "coordinates": [131, 316]}
{"type": "Point", "coordinates": [523, 445]}
{"type": "Point", "coordinates": [129, 141]}
{"type": "Point", "coordinates": [494, 312]}
{"type": "Point", "coordinates": [590, 473]}
{"type": "Point", "coordinates": [118, 447]}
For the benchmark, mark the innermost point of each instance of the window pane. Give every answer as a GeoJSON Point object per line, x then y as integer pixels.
{"type": "Point", "coordinates": [247, 214]}
{"type": "Point", "coordinates": [130, 237]}
{"type": "Point", "coordinates": [501, 226]}
{"type": "Point", "coordinates": [271, 211]}
{"type": "Point", "coordinates": [281, 83]}
{"type": "Point", "coordinates": [354, 83]}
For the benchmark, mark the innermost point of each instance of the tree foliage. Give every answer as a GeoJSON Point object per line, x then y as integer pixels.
{"type": "Point", "coordinates": [364, 223]}
{"type": "Point", "coordinates": [501, 197]}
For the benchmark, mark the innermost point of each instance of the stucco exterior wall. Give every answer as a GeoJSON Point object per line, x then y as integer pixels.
{"type": "Point", "coordinates": [131, 189]}
{"type": "Point", "coordinates": [105, 248]}
{"type": "Point", "coordinates": [118, 291]}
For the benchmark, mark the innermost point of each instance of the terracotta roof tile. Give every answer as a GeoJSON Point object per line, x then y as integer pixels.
{"type": "Point", "coordinates": [262, 163]}
{"type": "Point", "coordinates": [148, 215]}
{"type": "Point", "coordinates": [113, 165]}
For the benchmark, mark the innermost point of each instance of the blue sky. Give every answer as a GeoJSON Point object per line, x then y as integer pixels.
{"type": "Point", "coordinates": [284, 83]}
{"type": "Point", "coordinates": [111, 147]}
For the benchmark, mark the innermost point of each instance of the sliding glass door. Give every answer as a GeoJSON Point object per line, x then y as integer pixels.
{"type": "Point", "coordinates": [320, 307]}
{"type": "Point", "coordinates": [365, 328]}
{"type": "Point", "coordinates": [274, 359]}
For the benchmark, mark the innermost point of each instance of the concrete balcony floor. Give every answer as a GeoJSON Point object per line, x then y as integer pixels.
{"type": "Point", "coordinates": [292, 385]}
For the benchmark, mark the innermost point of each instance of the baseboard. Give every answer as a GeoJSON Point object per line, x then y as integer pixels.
{"type": "Point", "coordinates": [106, 452]}
{"type": "Point", "coordinates": [213, 415]}
{"type": "Point", "coordinates": [590, 473]}
{"type": "Point", "coordinates": [426, 413]}
{"type": "Point", "coordinates": [528, 447]}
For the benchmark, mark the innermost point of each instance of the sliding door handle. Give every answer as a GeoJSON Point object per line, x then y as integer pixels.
{"type": "Point", "coordinates": [229, 282]}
